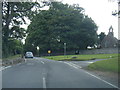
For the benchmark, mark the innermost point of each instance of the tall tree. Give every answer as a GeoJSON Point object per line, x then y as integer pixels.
{"type": "Point", "coordinates": [62, 23]}
{"type": "Point", "coordinates": [14, 14]}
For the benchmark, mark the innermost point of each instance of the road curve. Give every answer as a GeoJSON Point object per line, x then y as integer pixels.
{"type": "Point", "coordinates": [44, 73]}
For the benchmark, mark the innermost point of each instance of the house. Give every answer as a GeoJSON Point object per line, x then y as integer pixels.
{"type": "Point", "coordinates": [109, 40]}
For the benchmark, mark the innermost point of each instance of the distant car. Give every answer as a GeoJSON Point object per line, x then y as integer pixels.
{"type": "Point", "coordinates": [28, 55]}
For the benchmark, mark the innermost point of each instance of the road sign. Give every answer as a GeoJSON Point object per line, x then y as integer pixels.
{"type": "Point", "coordinates": [49, 51]}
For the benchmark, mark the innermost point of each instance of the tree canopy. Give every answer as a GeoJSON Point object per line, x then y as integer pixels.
{"type": "Point", "coordinates": [101, 36]}
{"type": "Point", "coordinates": [13, 15]}
{"type": "Point", "coordinates": [62, 23]}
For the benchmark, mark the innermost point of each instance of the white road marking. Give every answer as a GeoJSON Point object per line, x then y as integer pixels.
{"type": "Point", "coordinates": [44, 82]}
{"type": "Point", "coordinates": [60, 61]}
{"type": "Point", "coordinates": [89, 62]}
{"type": "Point", "coordinates": [73, 65]}
{"type": "Point", "coordinates": [102, 80]}
{"type": "Point", "coordinates": [42, 62]}
{"type": "Point", "coordinates": [8, 67]}
{"type": "Point", "coordinates": [77, 67]}
{"type": "Point", "coordinates": [3, 68]}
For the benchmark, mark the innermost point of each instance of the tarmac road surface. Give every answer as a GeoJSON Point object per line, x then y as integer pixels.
{"type": "Point", "coordinates": [44, 73]}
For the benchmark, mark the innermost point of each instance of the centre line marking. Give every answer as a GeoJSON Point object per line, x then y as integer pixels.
{"type": "Point", "coordinates": [44, 82]}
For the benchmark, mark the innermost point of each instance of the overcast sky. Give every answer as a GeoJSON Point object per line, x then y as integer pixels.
{"type": "Point", "coordinates": [101, 12]}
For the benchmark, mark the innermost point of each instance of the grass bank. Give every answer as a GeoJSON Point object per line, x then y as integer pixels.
{"type": "Point", "coordinates": [12, 57]}
{"type": "Point", "coordinates": [81, 57]}
{"type": "Point", "coordinates": [110, 65]}
{"type": "Point", "coordinates": [12, 60]}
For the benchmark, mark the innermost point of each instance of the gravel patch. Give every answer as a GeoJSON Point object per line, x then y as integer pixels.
{"type": "Point", "coordinates": [12, 61]}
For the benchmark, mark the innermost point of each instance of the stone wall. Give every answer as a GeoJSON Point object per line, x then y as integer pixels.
{"type": "Point", "coordinates": [93, 51]}
{"type": "Point", "coordinates": [12, 61]}
{"type": "Point", "coordinates": [100, 51]}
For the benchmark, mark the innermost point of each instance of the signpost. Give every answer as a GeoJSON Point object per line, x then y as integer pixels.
{"type": "Point", "coordinates": [64, 48]}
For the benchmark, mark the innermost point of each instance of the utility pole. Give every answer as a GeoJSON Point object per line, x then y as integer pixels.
{"type": "Point", "coordinates": [64, 48]}
{"type": "Point", "coordinates": [117, 12]}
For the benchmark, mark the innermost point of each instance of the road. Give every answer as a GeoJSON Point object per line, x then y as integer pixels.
{"type": "Point", "coordinates": [44, 73]}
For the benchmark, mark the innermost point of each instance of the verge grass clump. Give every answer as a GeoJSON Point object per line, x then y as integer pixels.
{"type": "Point", "coordinates": [105, 65]}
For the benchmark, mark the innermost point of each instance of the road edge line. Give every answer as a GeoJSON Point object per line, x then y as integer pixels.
{"type": "Point", "coordinates": [102, 80]}
{"type": "Point", "coordinates": [74, 65]}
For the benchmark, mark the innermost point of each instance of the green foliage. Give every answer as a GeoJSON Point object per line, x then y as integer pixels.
{"type": "Point", "coordinates": [14, 47]}
{"type": "Point", "coordinates": [60, 24]}
{"type": "Point", "coordinates": [12, 57]}
{"type": "Point", "coordinates": [13, 15]}
{"type": "Point", "coordinates": [106, 65]}
{"type": "Point", "coordinates": [112, 64]}
{"type": "Point", "coordinates": [101, 36]}
{"type": "Point", "coordinates": [82, 57]}
{"type": "Point", "coordinates": [29, 47]}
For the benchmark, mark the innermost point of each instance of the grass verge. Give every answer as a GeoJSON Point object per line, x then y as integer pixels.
{"type": "Point", "coordinates": [110, 65]}
{"type": "Point", "coordinates": [81, 57]}
{"type": "Point", "coordinates": [12, 57]}
{"type": "Point", "coordinates": [12, 60]}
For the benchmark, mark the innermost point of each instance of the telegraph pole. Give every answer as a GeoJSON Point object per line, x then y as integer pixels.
{"type": "Point", "coordinates": [64, 48]}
